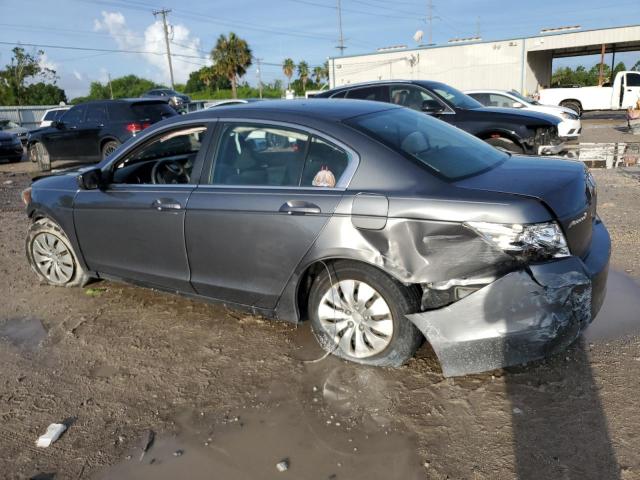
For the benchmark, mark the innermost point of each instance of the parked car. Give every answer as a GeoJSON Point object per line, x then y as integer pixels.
{"type": "Point", "coordinates": [51, 115]}
{"type": "Point", "coordinates": [8, 126]}
{"type": "Point", "coordinates": [508, 129]}
{"type": "Point", "coordinates": [179, 101]}
{"type": "Point", "coordinates": [569, 126]}
{"type": "Point", "coordinates": [92, 131]}
{"type": "Point", "coordinates": [10, 147]}
{"type": "Point", "coordinates": [623, 94]}
{"type": "Point", "coordinates": [378, 223]}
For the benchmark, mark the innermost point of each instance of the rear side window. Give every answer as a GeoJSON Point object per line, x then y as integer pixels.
{"type": "Point", "coordinates": [379, 93]}
{"type": "Point", "coordinates": [444, 149]}
{"type": "Point", "coordinates": [141, 112]}
{"type": "Point", "coordinates": [340, 94]}
{"type": "Point", "coordinates": [50, 115]}
{"type": "Point", "coordinates": [276, 156]}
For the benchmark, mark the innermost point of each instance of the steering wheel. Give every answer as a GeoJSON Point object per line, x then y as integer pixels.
{"type": "Point", "coordinates": [169, 172]}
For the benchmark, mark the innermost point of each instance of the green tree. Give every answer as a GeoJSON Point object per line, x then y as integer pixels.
{"type": "Point", "coordinates": [636, 67]}
{"type": "Point", "coordinates": [44, 94]}
{"type": "Point", "coordinates": [206, 80]}
{"type": "Point", "coordinates": [303, 72]}
{"type": "Point", "coordinates": [288, 67]}
{"type": "Point", "coordinates": [23, 70]}
{"type": "Point", "coordinates": [318, 74]}
{"type": "Point", "coordinates": [231, 58]}
{"type": "Point", "coordinates": [128, 86]}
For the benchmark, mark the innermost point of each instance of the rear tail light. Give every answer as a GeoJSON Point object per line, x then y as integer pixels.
{"type": "Point", "coordinates": [137, 127]}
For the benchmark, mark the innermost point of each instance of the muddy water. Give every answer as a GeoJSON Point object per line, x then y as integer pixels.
{"type": "Point", "coordinates": [606, 155]}
{"type": "Point", "coordinates": [334, 424]}
{"type": "Point", "coordinates": [25, 333]}
{"type": "Point", "coordinates": [620, 312]}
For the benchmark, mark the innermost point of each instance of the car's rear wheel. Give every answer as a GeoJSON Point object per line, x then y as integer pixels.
{"type": "Point", "coordinates": [109, 147]}
{"type": "Point", "coordinates": [573, 105]}
{"type": "Point", "coordinates": [38, 153]}
{"type": "Point", "coordinates": [51, 255]}
{"type": "Point", "coordinates": [358, 313]}
{"type": "Point", "coordinates": [505, 144]}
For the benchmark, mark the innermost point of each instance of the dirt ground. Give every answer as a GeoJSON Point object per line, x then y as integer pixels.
{"type": "Point", "coordinates": [229, 395]}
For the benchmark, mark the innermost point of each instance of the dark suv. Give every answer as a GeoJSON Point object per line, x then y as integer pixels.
{"type": "Point", "coordinates": [92, 131]}
{"type": "Point", "coordinates": [505, 128]}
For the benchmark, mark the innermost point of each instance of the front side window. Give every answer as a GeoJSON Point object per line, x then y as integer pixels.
{"type": "Point", "coordinates": [96, 114]}
{"type": "Point", "coordinates": [496, 100]}
{"type": "Point", "coordinates": [75, 115]}
{"type": "Point", "coordinates": [167, 158]}
{"type": "Point", "coordinates": [413, 97]}
{"type": "Point", "coordinates": [276, 156]}
{"type": "Point", "coordinates": [446, 150]}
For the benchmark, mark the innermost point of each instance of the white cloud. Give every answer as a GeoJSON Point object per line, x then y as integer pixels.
{"type": "Point", "coordinates": [46, 62]}
{"type": "Point", "coordinates": [152, 41]}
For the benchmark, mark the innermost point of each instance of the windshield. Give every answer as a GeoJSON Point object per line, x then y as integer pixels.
{"type": "Point", "coordinates": [455, 97]}
{"type": "Point", "coordinates": [447, 150]}
{"type": "Point", "coordinates": [522, 98]}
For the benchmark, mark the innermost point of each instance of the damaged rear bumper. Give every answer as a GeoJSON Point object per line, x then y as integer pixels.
{"type": "Point", "coordinates": [523, 316]}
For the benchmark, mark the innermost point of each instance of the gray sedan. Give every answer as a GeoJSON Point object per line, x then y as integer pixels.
{"type": "Point", "coordinates": [380, 225]}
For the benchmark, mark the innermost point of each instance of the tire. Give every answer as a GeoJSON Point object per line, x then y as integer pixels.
{"type": "Point", "coordinates": [39, 153]}
{"type": "Point", "coordinates": [109, 147]}
{"type": "Point", "coordinates": [392, 341]}
{"type": "Point", "coordinates": [573, 105]}
{"type": "Point", "coordinates": [52, 257]}
{"type": "Point", "coordinates": [505, 144]}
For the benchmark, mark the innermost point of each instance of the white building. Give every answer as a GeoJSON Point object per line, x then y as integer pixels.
{"type": "Point", "coordinates": [522, 64]}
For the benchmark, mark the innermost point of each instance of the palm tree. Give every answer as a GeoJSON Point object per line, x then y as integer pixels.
{"type": "Point", "coordinates": [303, 71]}
{"type": "Point", "coordinates": [207, 75]}
{"type": "Point", "coordinates": [231, 58]}
{"type": "Point", "coordinates": [318, 74]}
{"type": "Point", "coordinates": [288, 67]}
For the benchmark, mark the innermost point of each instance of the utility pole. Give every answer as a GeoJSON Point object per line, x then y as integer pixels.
{"type": "Point", "coordinates": [110, 87]}
{"type": "Point", "coordinates": [340, 46]}
{"type": "Point", "coordinates": [601, 73]}
{"type": "Point", "coordinates": [430, 20]}
{"type": "Point", "coordinates": [259, 74]}
{"type": "Point", "coordinates": [164, 12]}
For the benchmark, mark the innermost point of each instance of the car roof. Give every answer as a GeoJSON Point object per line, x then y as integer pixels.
{"type": "Point", "coordinates": [373, 83]}
{"type": "Point", "coordinates": [125, 100]}
{"type": "Point", "coordinates": [488, 90]}
{"type": "Point", "coordinates": [321, 108]}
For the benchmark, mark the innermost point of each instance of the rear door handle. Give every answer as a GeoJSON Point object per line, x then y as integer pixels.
{"type": "Point", "coordinates": [164, 204]}
{"type": "Point", "coordinates": [299, 207]}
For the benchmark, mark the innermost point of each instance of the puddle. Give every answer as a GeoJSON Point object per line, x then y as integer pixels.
{"type": "Point", "coordinates": [620, 313]}
{"type": "Point", "coordinates": [24, 333]}
{"type": "Point", "coordinates": [606, 155]}
{"type": "Point", "coordinates": [251, 446]}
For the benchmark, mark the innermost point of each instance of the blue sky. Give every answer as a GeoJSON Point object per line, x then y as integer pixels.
{"type": "Point", "coordinates": [300, 29]}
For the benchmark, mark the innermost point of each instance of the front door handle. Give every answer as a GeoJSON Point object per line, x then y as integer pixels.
{"type": "Point", "coordinates": [166, 204]}
{"type": "Point", "coordinates": [299, 207]}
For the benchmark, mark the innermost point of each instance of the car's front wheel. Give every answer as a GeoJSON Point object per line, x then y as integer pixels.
{"type": "Point", "coordinates": [358, 313]}
{"type": "Point", "coordinates": [38, 153]}
{"type": "Point", "coordinates": [51, 255]}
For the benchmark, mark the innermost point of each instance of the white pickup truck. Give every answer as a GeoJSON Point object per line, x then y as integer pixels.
{"type": "Point", "coordinates": [624, 93]}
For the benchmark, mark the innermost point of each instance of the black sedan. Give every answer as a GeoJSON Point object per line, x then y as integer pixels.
{"type": "Point", "coordinates": [10, 147]}
{"type": "Point", "coordinates": [508, 129]}
{"type": "Point", "coordinates": [378, 223]}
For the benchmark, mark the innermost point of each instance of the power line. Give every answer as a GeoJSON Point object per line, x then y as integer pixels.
{"type": "Point", "coordinates": [89, 49]}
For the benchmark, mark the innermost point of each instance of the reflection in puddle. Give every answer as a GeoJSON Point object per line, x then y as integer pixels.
{"type": "Point", "coordinates": [606, 155]}
{"type": "Point", "coordinates": [25, 333]}
{"type": "Point", "coordinates": [620, 313]}
{"type": "Point", "coordinates": [250, 446]}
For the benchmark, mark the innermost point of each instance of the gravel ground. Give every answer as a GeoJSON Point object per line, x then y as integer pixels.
{"type": "Point", "coordinates": [115, 360]}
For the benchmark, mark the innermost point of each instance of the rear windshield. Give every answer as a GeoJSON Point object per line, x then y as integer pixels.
{"type": "Point", "coordinates": [446, 150]}
{"type": "Point", "coordinates": [141, 112]}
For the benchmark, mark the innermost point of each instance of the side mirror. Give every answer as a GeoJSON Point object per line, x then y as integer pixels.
{"type": "Point", "coordinates": [517, 105]}
{"type": "Point", "coordinates": [90, 179]}
{"type": "Point", "coordinates": [431, 106]}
